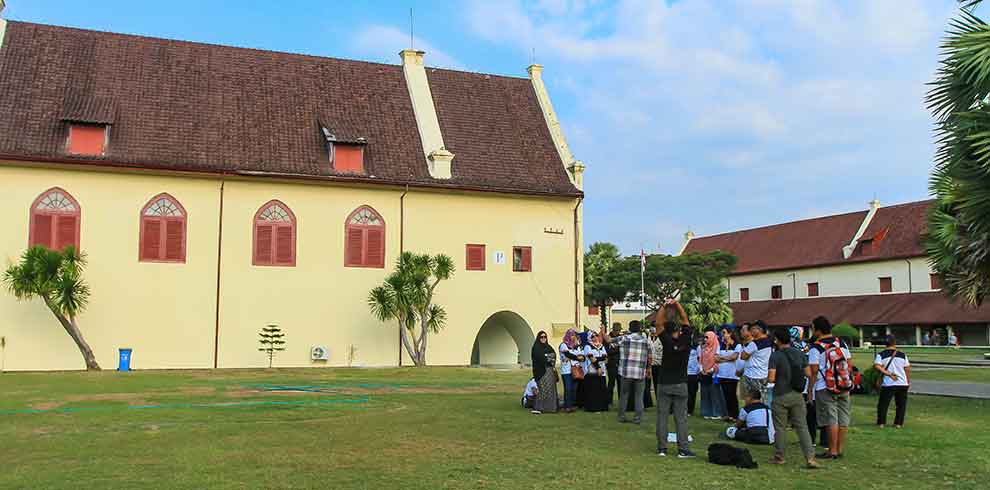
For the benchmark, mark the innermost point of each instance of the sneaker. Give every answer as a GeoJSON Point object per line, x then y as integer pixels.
{"type": "Point", "coordinates": [812, 465]}
{"type": "Point", "coordinates": [827, 456]}
{"type": "Point", "coordinates": [535, 412]}
{"type": "Point", "coordinates": [685, 453]}
{"type": "Point", "coordinates": [881, 426]}
{"type": "Point", "coordinates": [662, 452]}
{"type": "Point", "coordinates": [898, 426]}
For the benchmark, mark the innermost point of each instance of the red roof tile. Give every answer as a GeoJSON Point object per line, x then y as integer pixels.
{"type": "Point", "coordinates": [878, 309]}
{"type": "Point", "coordinates": [819, 241]}
{"type": "Point", "coordinates": [189, 106]}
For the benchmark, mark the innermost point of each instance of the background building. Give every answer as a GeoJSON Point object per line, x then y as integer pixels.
{"type": "Point", "coordinates": [867, 268]}
{"type": "Point", "coordinates": [216, 190]}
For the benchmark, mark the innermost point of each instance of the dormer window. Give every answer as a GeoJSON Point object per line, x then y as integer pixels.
{"type": "Point", "coordinates": [866, 246]}
{"type": "Point", "coordinates": [346, 156]}
{"type": "Point", "coordinates": [87, 139]}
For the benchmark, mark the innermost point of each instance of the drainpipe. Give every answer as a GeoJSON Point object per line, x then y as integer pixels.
{"type": "Point", "coordinates": [577, 266]}
{"type": "Point", "coordinates": [216, 333]}
{"type": "Point", "coordinates": [793, 285]}
{"type": "Point", "coordinates": [402, 237]}
{"type": "Point", "coordinates": [910, 285]}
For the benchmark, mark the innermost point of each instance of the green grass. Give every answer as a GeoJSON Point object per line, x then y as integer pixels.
{"type": "Point", "coordinates": [930, 354]}
{"type": "Point", "coordinates": [969, 375]}
{"type": "Point", "coordinates": [417, 429]}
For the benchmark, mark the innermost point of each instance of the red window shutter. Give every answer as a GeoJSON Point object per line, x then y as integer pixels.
{"type": "Point", "coordinates": [375, 254]}
{"type": "Point", "coordinates": [174, 240]}
{"type": "Point", "coordinates": [743, 294]}
{"type": "Point", "coordinates": [934, 280]}
{"type": "Point", "coordinates": [65, 232]}
{"type": "Point", "coordinates": [42, 230]}
{"type": "Point", "coordinates": [283, 245]}
{"type": "Point", "coordinates": [812, 289]}
{"type": "Point", "coordinates": [527, 259]}
{"type": "Point", "coordinates": [354, 247]}
{"type": "Point", "coordinates": [776, 292]}
{"type": "Point", "coordinates": [475, 260]}
{"type": "Point", "coordinates": [348, 158]}
{"type": "Point", "coordinates": [87, 139]}
{"type": "Point", "coordinates": [263, 244]}
{"type": "Point", "coordinates": [151, 246]}
{"type": "Point", "coordinates": [886, 285]}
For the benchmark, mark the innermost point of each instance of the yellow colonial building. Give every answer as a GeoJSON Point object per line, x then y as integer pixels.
{"type": "Point", "coordinates": [216, 190]}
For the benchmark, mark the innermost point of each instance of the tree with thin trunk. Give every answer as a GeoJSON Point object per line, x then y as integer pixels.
{"type": "Point", "coordinates": [55, 278]}
{"type": "Point", "coordinates": [599, 261]}
{"type": "Point", "coordinates": [271, 342]}
{"type": "Point", "coordinates": [958, 238]}
{"type": "Point", "coordinates": [407, 297]}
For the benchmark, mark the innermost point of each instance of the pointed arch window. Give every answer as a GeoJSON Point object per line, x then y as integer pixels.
{"type": "Point", "coordinates": [364, 239]}
{"type": "Point", "coordinates": [163, 230]}
{"type": "Point", "coordinates": [55, 217]}
{"type": "Point", "coordinates": [274, 235]}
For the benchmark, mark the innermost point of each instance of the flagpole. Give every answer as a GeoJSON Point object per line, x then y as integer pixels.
{"type": "Point", "coordinates": [642, 283]}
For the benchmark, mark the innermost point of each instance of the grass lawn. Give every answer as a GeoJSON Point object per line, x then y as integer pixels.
{"type": "Point", "coordinates": [930, 354]}
{"type": "Point", "coordinates": [413, 429]}
{"type": "Point", "coordinates": [969, 375]}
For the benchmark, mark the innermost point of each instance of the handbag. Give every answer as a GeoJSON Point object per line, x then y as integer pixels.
{"type": "Point", "coordinates": [577, 372]}
{"type": "Point", "coordinates": [878, 382]}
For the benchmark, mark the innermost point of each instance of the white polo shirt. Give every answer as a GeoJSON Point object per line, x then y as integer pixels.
{"type": "Point", "coordinates": [815, 356]}
{"type": "Point", "coordinates": [759, 358]}
{"type": "Point", "coordinates": [897, 366]}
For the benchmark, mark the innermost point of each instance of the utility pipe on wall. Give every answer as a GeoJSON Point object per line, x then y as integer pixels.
{"type": "Point", "coordinates": [910, 279]}
{"type": "Point", "coordinates": [216, 333]}
{"type": "Point", "coordinates": [402, 237]}
{"type": "Point", "coordinates": [578, 256]}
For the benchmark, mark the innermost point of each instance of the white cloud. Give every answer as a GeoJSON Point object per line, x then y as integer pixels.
{"type": "Point", "coordinates": [383, 43]}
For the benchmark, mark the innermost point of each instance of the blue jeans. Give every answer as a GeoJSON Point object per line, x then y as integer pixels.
{"type": "Point", "coordinates": [570, 390]}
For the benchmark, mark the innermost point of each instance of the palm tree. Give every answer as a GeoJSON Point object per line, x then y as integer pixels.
{"type": "Point", "coordinates": [599, 289]}
{"type": "Point", "coordinates": [56, 278]}
{"type": "Point", "coordinates": [958, 238]}
{"type": "Point", "coordinates": [407, 297]}
{"type": "Point", "coordinates": [705, 303]}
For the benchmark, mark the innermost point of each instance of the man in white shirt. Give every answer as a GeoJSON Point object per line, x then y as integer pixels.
{"type": "Point", "coordinates": [757, 357]}
{"type": "Point", "coordinates": [530, 394]}
{"type": "Point", "coordinates": [896, 371]}
{"type": "Point", "coordinates": [832, 409]}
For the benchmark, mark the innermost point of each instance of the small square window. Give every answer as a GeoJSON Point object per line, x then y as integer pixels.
{"type": "Point", "coordinates": [886, 285]}
{"type": "Point", "coordinates": [812, 289]}
{"type": "Point", "coordinates": [743, 294]}
{"type": "Point", "coordinates": [522, 259]}
{"type": "Point", "coordinates": [475, 258]}
{"type": "Point", "coordinates": [87, 139]}
{"type": "Point", "coordinates": [776, 292]}
{"type": "Point", "coordinates": [348, 158]}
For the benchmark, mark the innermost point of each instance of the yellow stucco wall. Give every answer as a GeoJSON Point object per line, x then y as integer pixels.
{"type": "Point", "coordinates": [165, 312]}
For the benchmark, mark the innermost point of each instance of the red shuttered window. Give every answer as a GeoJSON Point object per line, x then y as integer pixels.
{"type": "Point", "coordinates": [522, 259]}
{"type": "Point", "coordinates": [274, 235]}
{"type": "Point", "coordinates": [933, 278]}
{"type": "Point", "coordinates": [87, 139]}
{"type": "Point", "coordinates": [886, 285]}
{"type": "Point", "coordinates": [812, 289]}
{"type": "Point", "coordinates": [348, 159]}
{"type": "Point", "coordinates": [55, 217]}
{"type": "Point", "coordinates": [475, 258]}
{"type": "Point", "coordinates": [163, 230]}
{"type": "Point", "coordinates": [743, 294]}
{"type": "Point", "coordinates": [364, 239]}
{"type": "Point", "coordinates": [776, 292]}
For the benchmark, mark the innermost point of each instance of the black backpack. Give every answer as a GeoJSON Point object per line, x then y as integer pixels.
{"type": "Point", "coordinates": [798, 379]}
{"type": "Point", "coordinates": [728, 455]}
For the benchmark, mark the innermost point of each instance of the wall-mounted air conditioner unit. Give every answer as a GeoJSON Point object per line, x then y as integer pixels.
{"type": "Point", "coordinates": [319, 353]}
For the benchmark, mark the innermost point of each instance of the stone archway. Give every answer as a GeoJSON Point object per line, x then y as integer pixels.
{"type": "Point", "coordinates": [504, 339]}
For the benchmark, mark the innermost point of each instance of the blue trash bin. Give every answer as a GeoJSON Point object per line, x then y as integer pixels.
{"type": "Point", "coordinates": [125, 360]}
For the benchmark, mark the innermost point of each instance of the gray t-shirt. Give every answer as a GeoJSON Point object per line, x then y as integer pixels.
{"type": "Point", "coordinates": [786, 362]}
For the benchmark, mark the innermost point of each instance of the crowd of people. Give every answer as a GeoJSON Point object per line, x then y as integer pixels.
{"type": "Point", "coordinates": [760, 382]}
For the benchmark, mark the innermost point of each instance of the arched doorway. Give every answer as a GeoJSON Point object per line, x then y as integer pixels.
{"type": "Point", "coordinates": [504, 339]}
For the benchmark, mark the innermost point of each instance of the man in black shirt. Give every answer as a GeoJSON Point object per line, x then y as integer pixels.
{"type": "Point", "coordinates": [672, 382]}
{"type": "Point", "coordinates": [787, 373]}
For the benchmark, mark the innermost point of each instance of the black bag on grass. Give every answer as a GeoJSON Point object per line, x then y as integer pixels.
{"type": "Point", "coordinates": [725, 454]}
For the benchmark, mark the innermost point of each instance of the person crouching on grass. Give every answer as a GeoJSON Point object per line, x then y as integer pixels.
{"type": "Point", "coordinates": [529, 394]}
{"type": "Point", "coordinates": [754, 425]}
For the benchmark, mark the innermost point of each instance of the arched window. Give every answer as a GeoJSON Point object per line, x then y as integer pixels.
{"type": "Point", "coordinates": [274, 235]}
{"type": "Point", "coordinates": [55, 217]}
{"type": "Point", "coordinates": [364, 239]}
{"type": "Point", "coordinates": [163, 230]}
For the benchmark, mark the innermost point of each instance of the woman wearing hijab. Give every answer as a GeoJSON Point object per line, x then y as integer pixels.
{"type": "Point", "coordinates": [596, 395]}
{"type": "Point", "coordinates": [712, 404]}
{"type": "Point", "coordinates": [546, 377]}
{"type": "Point", "coordinates": [570, 356]}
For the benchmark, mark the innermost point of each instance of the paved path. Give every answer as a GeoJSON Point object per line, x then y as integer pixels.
{"type": "Point", "coordinates": [947, 388]}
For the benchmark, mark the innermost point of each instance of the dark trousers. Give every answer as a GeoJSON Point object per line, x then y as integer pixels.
{"type": "Point", "coordinates": [672, 399]}
{"type": "Point", "coordinates": [692, 388]}
{"type": "Point", "coordinates": [632, 387]}
{"type": "Point", "coordinates": [813, 428]}
{"type": "Point", "coordinates": [899, 394]}
{"type": "Point", "coordinates": [729, 394]}
{"type": "Point", "coordinates": [613, 384]}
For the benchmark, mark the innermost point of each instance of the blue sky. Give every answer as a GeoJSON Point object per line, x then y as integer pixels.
{"type": "Point", "coordinates": [708, 115]}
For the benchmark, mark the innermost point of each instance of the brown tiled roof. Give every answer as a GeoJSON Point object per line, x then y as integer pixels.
{"type": "Point", "coordinates": [198, 107]}
{"type": "Point", "coordinates": [819, 241]}
{"type": "Point", "coordinates": [878, 309]}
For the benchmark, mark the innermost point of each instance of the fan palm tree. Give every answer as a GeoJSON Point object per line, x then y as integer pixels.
{"type": "Point", "coordinates": [407, 297]}
{"type": "Point", "coordinates": [56, 278]}
{"type": "Point", "coordinates": [599, 289]}
{"type": "Point", "coordinates": [958, 238]}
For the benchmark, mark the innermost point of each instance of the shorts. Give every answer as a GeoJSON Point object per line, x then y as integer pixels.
{"type": "Point", "coordinates": [832, 408]}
